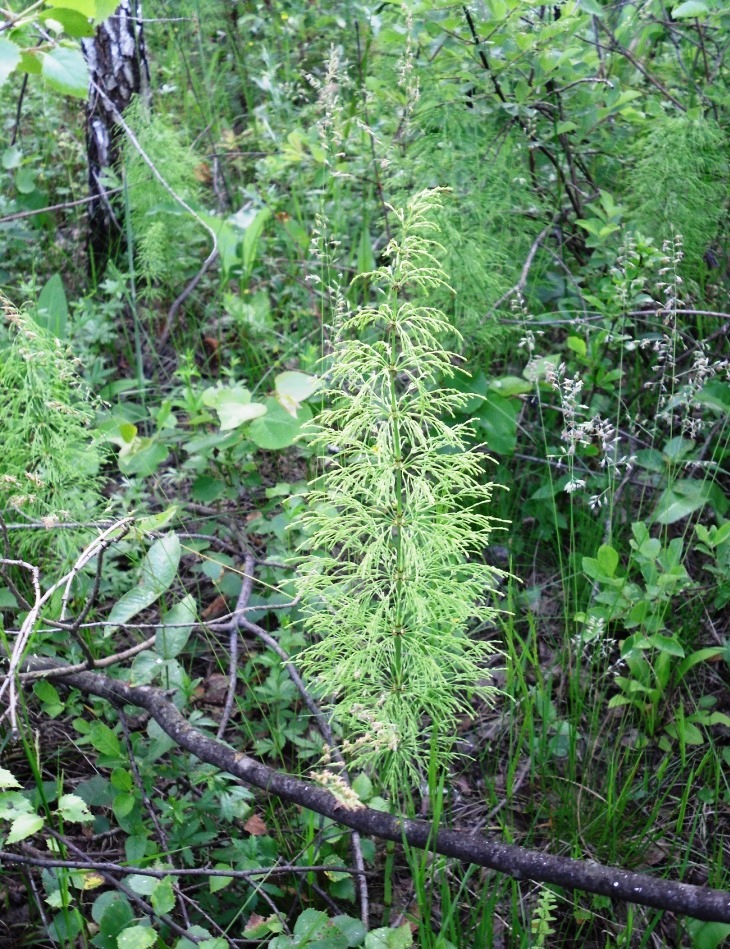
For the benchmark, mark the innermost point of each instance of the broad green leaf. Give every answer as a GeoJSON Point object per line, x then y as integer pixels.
{"type": "Point", "coordinates": [163, 896]}
{"type": "Point", "coordinates": [496, 422]}
{"type": "Point", "coordinates": [353, 929]}
{"type": "Point", "coordinates": [13, 803]}
{"type": "Point", "coordinates": [667, 644]}
{"type": "Point", "coordinates": [277, 429]}
{"type": "Point", "coordinates": [577, 344]}
{"type": "Point", "coordinates": [104, 9]}
{"type": "Point", "coordinates": [52, 307]}
{"type": "Point", "coordinates": [233, 405]}
{"type": "Point", "coordinates": [147, 665]}
{"type": "Point", "coordinates": [172, 636]}
{"type": "Point", "coordinates": [650, 459]}
{"type": "Point", "coordinates": [111, 911]}
{"type": "Point", "coordinates": [708, 935]}
{"type": "Point", "coordinates": [677, 448]}
{"type": "Point", "coordinates": [690, 8]}
{"type": "Point", "coordinates": [105, 740]}
{"type": "Point", "coordinates": [121, 779]}
{"type": "Point", "coordinates": [292, 388]}
{"type": "Point", "coordinates": [155, 522]}
{"type": "Point", "coordinates": [72, 808]}
{"type": "Point", "coordinates": [8, 780]}
{"type": "Point", "coordinates": [137, 937]}
{"type": "Point", "coordinates": [123, 805]}
{"type": "Point", "coordinates": [251, 239]}
{"type": "Point", "coordinates": [9, 58]}
{"type": "Point", "coordinates": [682, 499]}
{"type": "Point", "coordinates": [70, 21]}
{"type": "Point", "coordinates": [401, 938]}
{"type": "Point", "coordinates": [363, 787]}
{"type": "Point", "coordinates": [700, 655]}
{"type": "Point", "coordinates": [142, 884]}
{"type": "Point", "coordinates": [47, 692]}
{"type": "Point", "coordinates": [220, 883]}
{"type": "Point", "coordinates": [65, 70]}
{"type": "Point", "coordinates": [507, 386]}
{"type": "Point", "coordinates": [607, 559]}
{"type": "Point", "coordinates": [25, 179]}
{"type": "Point", "coordinates": [159, 569]}
{"type": "Point", "coordinates": [23, 827]}
{"type": "Point", "coordinates": [141, 456]}
{"type": "Point", "coordinates": [200, 934]}
{"type": "Point", "coordinates": [86, 8]}
{"type": "Point", "coordinates": [13, 156]}
{"type": "Point", "coordinates": [716, 395]}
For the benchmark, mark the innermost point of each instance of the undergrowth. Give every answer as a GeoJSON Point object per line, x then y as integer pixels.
{"type": "Point", "coordinates": [584, 349]}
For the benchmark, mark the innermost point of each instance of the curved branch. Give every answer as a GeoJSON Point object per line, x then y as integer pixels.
{"type": "Point", "coordinates": [515, 861]}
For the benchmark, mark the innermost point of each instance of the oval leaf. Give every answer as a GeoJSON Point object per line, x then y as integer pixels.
{"type": "Point", "coordinates": [690, 8]}
{"type": "Point", "coordinates": [9, 58]}
{"type": "Point", "coordinates": [172, 636]}
{"type": "Point", "coordinates": [277, 429]}
{"type": "Point", "coordinates": [72, 808]}
{"type": "Point", "coordinates": [65, 70]}
{"type": "Point", "coordinates": [234, 406]}
{"type": "Point", "coordinates": [24, 826]}
{"type": "Point", "coordinates": [8, 780]}
{"type": "Point", "coordinates": [137, 937]}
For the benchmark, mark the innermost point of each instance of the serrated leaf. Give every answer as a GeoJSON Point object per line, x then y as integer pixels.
{"type": "Point", "coordinates": [136, 937]}
{"type": "Point", "coordinates": [8, 780]}
{"type": "Point", "coordinates": [23, 827]}
{"type": "Point", "coordinates": [71, 21]}
{"type": "Point", "coordinates": [163, 896]}
{"type": "Point", "coordinates": [142, 884]}
{"type": "Point", "coordinates": [401, 938]}
{"type": "Point", "coordinates": [9, 58]}
{"type": "Point", "coordinates": [92, 881]}
{"type": "Point", "coordinates": [73, 809]}
{"type": "Point", "coordinates": [13, 803]}
{"type": "Point", "coordinates": [65, 70]}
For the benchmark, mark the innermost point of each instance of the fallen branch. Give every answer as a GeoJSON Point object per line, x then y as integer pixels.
{"type": "Point", "coordinates": [515, 861]}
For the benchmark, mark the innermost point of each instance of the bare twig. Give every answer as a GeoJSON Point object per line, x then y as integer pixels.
{"type": "Point", "coordinates": [231, 627]}
{"type": "Point", "coordinates": [518, 862]}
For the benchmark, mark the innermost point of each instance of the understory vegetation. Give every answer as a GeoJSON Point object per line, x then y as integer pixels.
{"type": "Point", "coordinates": [389, 454]}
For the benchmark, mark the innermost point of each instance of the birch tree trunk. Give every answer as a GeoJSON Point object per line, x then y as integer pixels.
{"type": "Point", "coordinates": [118, 70]}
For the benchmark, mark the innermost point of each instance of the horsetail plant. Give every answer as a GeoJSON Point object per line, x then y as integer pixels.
{"type": "Point", "coordinates": [397, 524]}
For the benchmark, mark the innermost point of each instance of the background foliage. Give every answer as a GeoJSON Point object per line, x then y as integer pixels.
{"type": "Point", "coordinates": [586, 237]}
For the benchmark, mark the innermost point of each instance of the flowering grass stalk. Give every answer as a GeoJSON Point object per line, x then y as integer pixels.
{"type": "Point", "coordinates": [397, 522]}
